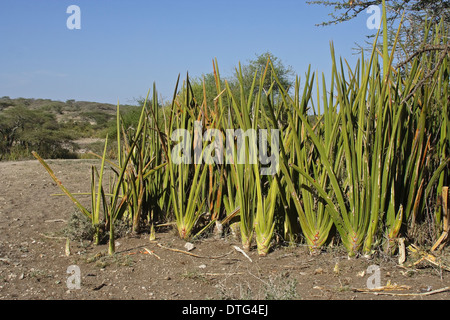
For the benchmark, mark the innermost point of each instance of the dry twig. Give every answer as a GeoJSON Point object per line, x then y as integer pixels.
{"type": "Point", "coordinates": [242, 251]}
{"type": "Point", "coordinates": [152, 253]}
{"type": "Point", "coordinates": [428, 293]}
{"type": "Point", "coordinates": [192, 254]}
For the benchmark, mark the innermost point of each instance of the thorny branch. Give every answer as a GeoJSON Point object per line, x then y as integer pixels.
{"type": "Point", "coordinates": [445, 49]}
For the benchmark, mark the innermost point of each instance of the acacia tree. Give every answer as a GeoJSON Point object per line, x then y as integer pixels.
{"type": "Point", "coordinates": [23, 130]}
{"type": "Point", "coordinates": [417, 15]}
{"type": "Point", "coordinates": [345, 10]}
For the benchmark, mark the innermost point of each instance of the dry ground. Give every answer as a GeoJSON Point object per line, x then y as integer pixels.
{"type": "Point", "coordinates": [33, 263]}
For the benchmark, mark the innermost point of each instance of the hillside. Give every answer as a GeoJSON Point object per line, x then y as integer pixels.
{"type": "Point", "coordinates": [64, 111]}
{"type": "Point", "coordinates": [56, 129]}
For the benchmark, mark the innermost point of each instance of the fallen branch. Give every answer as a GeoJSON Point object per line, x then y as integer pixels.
{"type": "Point", "coordinates": [428, 293]}
{"type": "Point", "coordinates": [223, 274]}
{"type": "Point", "coordinates": [389, 287]}
{"type": "Point", "coordinates": [192, 254]}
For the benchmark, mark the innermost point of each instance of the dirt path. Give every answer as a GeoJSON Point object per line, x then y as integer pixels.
{"type": "Point", "coordinates": [33, 265]}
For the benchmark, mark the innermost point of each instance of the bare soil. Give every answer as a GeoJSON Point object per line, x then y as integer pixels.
{"type": "Point", "coordinates": [34, 265]}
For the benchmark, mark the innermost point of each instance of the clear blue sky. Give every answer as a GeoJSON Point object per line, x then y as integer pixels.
{"type": "Point", "coordinates": [125, 46]}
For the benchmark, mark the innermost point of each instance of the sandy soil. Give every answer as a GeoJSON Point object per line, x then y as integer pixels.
{"type": "Point", "coordinates": [33, 263]}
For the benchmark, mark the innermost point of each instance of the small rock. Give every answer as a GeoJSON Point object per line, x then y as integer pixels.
{"type": "Point", "coordinates": [5, 260]}
{"type": "Point", "coordinates": [318, 271]}
{"type": "Point", "coordinates": [426, 288]}
{"type": "Point", "coordinates": [189, 246]}
{"type": "Point", "coordinates": [202, 266]}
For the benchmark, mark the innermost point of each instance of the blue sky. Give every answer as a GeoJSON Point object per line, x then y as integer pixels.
{"type": "Point", "coordinates": [125, 46]}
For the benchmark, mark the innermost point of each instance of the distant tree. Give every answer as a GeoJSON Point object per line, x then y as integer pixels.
{"type": "Point", "coordinates": [205, 86]}
{"type": "Point", "coordinates": [5, 103]}
{"type": "Point", "coordinates": [284, 73]}
{"type": "Point", "coordinates": [12, 124]}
